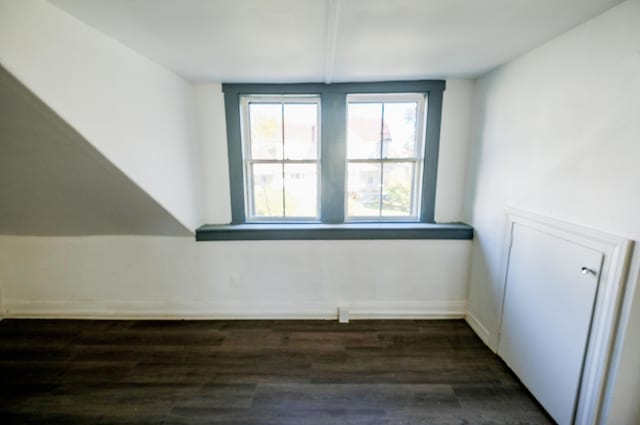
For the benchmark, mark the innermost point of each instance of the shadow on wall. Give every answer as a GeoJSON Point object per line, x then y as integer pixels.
{"type": "Point", "coordinates": [55, 183]}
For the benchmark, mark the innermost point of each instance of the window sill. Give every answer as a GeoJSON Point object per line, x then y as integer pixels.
{"type": "Point", "coordinates": [271, 231]}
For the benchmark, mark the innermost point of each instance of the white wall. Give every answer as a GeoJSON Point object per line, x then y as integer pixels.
{"type": "Point", "coordinates": [142, 276]}
{"type": "Point", "coordinates": [452, 164]}
{"type": "Point", "coordinates": [136, 113]}
{"type": "Point", "coordinates": [212, 136]}
{"type": "Point", "coordinates": [161, 132]}
{"type": "Point", "coordinates": [164, 134]}
{"type": "Point", "coordinates": [557, 132]}
{"type": "Point", "coordinates": [454, 150]}
{"type": "Point", "coordinates": [138, 276]}
{"type": "Point", "coordinates": [134, 276]}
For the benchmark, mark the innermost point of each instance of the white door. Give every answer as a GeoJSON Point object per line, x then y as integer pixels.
{"type": "Point", "coordinates": [549, 299]}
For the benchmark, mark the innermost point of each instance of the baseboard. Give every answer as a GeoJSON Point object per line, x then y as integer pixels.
{"type": "Point", "coordinates": [454, 309]}
{"type": "Point", "coordinates": [479, 329]}
{"type": "Point", "coordinates": [164, 310]}
{"type": "Point", "coordinates": [231, 310]}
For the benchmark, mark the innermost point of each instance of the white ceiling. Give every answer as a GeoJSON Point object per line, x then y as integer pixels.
{"type": "Point", "coordinates": [54, 183]}
{"type": "Point", "coordinates": [331, 40]}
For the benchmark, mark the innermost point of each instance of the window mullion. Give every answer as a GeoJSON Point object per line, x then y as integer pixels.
{"type": "Point", "coordinates": [333, 157]}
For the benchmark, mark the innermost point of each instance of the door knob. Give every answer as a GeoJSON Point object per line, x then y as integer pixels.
{"type": "Point", "coordinates": [587, 270]}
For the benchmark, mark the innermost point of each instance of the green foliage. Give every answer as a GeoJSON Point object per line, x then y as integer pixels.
{"type": "Point", "coordinates": [398, 197]}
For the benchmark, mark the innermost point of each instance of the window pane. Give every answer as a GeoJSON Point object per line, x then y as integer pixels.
{"type": "Point", "coordinates": [363, 130]}
{"type": "Point", "coordinates": [300, 131]}
{"type": "Point", "coordinates": [399, 135]}
{"type": "Point", "coordinates": [267, 190]}
{"type": "Point", "coordinates": [266, 130]}
{"type": "Point", "coordinates": [301, 190]}
{"type": "Point", "coordinates": [397, 189]}
{"type": "Point", "coordinates": [363, 198]}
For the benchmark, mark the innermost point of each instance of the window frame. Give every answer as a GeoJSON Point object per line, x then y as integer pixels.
{"type": "Point", "coordinates": [417, 159]}
{"type": "Point", "coordinates": [248, 160]}
{"type": "Point", "coordinates": [333, 108]}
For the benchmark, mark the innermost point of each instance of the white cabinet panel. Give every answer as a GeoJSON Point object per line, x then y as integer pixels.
{"type": "Point", "coordinates": [547, 313]}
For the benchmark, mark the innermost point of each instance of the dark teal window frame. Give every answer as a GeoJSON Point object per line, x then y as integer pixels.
{"type": "Point", "coordinates": [333, 98]}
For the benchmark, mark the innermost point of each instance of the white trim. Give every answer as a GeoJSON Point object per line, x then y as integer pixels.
{"type": "Point", "coordinates": [616, 250]}
{"type": "Point", "coordinates": [232, 310]}
{"type": "Point", "coordinates": [479, 329]}
{"type": "Point", "coordinates": [454, 309]}
{"type": "Point", "coordinates": [633, 285]}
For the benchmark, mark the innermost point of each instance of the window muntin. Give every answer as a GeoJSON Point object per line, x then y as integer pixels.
{"type": "Point", "coordinates": [281, 156]}
{"type": "Point", "coordinates": [385, 156]}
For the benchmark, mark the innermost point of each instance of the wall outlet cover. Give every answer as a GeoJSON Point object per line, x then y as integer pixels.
{"type": "Point", "coordinates": [343, 315]}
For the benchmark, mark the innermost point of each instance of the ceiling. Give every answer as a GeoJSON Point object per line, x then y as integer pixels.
{"type": "Point", "coordinates": [54, 183]}
{"type": "Point", "coordinates": [331, 40]}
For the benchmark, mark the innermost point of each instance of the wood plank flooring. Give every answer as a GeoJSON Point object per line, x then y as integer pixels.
{"type": "Point", "coordinates": [255, 372]}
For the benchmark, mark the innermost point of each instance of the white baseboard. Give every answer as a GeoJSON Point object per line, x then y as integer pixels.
{"type": "Point", "coordinates": [479, 329]}
{"type": "Point", "coordinates": [231, 310]}
{"type": "Point", "coordinates": [454, 309]}
{"type": "Point", "coordinates": [163, 310]}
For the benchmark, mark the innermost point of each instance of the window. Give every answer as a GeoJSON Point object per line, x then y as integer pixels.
{"type": "Point", "coordinates": [385, 154]}
{"type": "Point", "coordinates": [281, 157]}
{"type": "Point", "coordinates": [337, 153]}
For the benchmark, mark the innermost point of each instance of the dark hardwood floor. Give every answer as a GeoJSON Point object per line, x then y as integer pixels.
{"type": "Point", "coordinates": [255, 372]}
